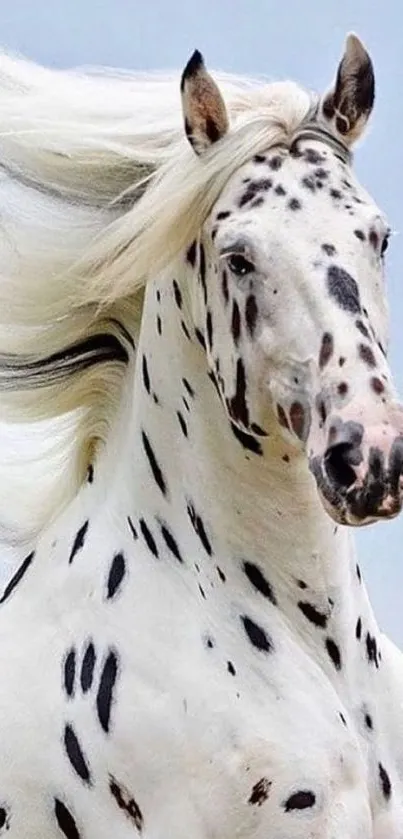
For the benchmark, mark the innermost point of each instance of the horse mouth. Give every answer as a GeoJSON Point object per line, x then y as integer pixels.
{"type": "Point", "coordinates": [353, 500]}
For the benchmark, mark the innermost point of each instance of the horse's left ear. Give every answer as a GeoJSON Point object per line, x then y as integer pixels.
{"type": "Point", "coordinates": [204, 110]}
{"type": "Point", "coordinates": [349, 105]}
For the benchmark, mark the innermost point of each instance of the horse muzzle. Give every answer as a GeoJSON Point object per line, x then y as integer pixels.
{"type": "Point", "coordinates": [360, 474]}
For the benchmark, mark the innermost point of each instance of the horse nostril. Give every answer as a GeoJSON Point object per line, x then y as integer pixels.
{"type": "Point", "coordinates": [338, 467]}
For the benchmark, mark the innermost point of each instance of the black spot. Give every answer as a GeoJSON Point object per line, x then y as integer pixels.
{"type": "Point", "coordinates": [330, 250]}
{"type": "Point", "coordinates": [182, 423]}
{"type": "Point", "coordinates": [199, 528]}
{"type": "Point", "coordinates": [223, 214]}
{"type": "Point", "coordinates": [362, 328]}
{"type": "Point", "coordinates": [258, 430]}
{"type": "Point", "coordinates": [247, 440]}
{"type": "Point", "coordinates": [372, 649]}
{"type": "Point", "coordinates": [358, 629]}
{"type": "Point", "coordinates": [257, 635]}
{"type": "Point", "coordinates": [258, 580]}
{"type": "Point", "coordinates": [191, 254]}
{"type": "Point", "coordinates": [253, 189]}
{"type": "Point", "coordinates": [343, 719]}
{"type": "Point", "coordinates": [79, 541]}
{"type": "Point", "coordinates": [301, 584]}
{"type": "Point", "coordinates": [360, 235]}
{"type": "Point", "coordinates": [366, 355]}
{"type": "Point", "coordinates": [260, 792]}
{"type": "Point", "coordinates": [344, 289]}
{"type": "Point", "coordinates": [70, 672]}
{"type": "Point", "coordinates": [159, 325]}
{"type": "Point", "coordinates": [209, 329]}
{"type": "Point", "coordinates": [312, 614]}
{"type": "Point", "coordinates": [158, 476]}
{"type": "Point", "coordinates": [368, 721]}
{"type": "Point", "coordinates": [188, 388]}
{"type": "Point", "coordinates": [313, 156]}
{"type": "Point", "coordinates": [210, 643]}
{"type": "Point", "coordinates": [279, 190]}
{"type": "Point", "coordinates": [75, 754]}
{"type": "Point", "coordinates": [148, 538]}
{"type": "Point", "coordinates": [377, 385]}
{"type": "Point", "coordinates": [17, 577]}
{"type": "Point", "coordinates": [335, 193]}
{"type": "Point", "coordinates": [251, 313]}
{"type": "Point", "coordinates": [236, 322]}
{"type": "Point", "coordinates": [185, 330]}
{"type": "Point", "coordinates": [294, 204]}
{"type": "Point", "coordinates": [231, 668]}
{"type": "Point", "coordinates": [259, 158]}
{"type": "Point", "coordinates": [237, 404]}
{"type": "Point", "coordinates": [132, 528]}
{"type": "Point", "coordinates": [275, 162]}
{"type": "Point", "coordinates": [90, 473]}
{"type": "Point", "coordinates": [105, 690]}
{"type": "Point", "coordinates": [127, 803]}
{"type": "Point", "coordinates": [225, 287]}
{"type": "Point", "coordinates": [202, 271]}
{"type": "Point", "coordinates": [116, 574]}
{"type": "Point", "coordinates": [221, 574]}
{"type": "Point", "coordinates": [170, 542]}
{"type": "Point", "coordinates": [334, 652]}
{"type": "Point", "coordinates": [358, 572]}
{"type": "Point", "coordinates": [374, 239]}
{"type": "Point", "coordinates": [309, 183]}
{"type": "Point", "coordinates": [300, 800]}
{"type": "Point", "coordinates": [65, 820]}
{"type": "Point", "coordinates": [87, 668]}
{"type": "Point", "coordinates": [146, 377]}
{"type": "Point", "coordinates": [385, 782]}
{"type": "Point", "coordinates": [298, 420]}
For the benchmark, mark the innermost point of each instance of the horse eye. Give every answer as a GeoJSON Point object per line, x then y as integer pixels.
{"type": "Point", "coordinates": [239, 265]}
{"type": "Point", "coordinates": [385, 244]}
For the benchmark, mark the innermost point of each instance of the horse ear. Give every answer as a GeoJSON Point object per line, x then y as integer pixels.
{"type": "Point", "coordinates": [204, 110]}
{"type": "Point", "coordinates": [349, 105]}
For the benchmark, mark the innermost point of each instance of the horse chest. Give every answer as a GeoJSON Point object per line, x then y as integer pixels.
{"type": "Point", "coordinates": [159, 705]}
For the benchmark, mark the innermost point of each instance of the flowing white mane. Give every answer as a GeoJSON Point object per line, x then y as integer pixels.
{"type": "Point", "coordinates": [99, 190]}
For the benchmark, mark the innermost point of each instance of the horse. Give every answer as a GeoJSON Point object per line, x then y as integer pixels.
{"type": "Point", "coordinates": [194, 304]}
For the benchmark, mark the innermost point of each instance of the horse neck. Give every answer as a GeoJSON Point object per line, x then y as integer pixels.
{"type": "Point", "coordinates": [183, 468]}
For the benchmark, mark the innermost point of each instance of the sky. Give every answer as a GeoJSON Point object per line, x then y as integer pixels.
{"type": "Point", "coordinates": [298, 40]}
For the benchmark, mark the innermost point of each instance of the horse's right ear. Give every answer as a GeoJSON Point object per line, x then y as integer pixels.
{"type": "Point", "coordinates": [204, 110]}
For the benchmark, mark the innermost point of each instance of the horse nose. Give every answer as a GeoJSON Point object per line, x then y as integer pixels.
{"type": "Point", "coordinates": [343, 454]}
{"type": "Point", "coordinates": [363, 465]}
{"type": "Point", "coordinates": [338, 462]}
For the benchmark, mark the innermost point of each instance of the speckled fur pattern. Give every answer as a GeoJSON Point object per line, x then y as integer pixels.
{"type": "Point", "coordinates": [189, 649]}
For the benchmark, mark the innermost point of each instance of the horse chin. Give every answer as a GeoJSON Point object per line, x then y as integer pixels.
{"type": "Point", "coordinates": [339, 513]}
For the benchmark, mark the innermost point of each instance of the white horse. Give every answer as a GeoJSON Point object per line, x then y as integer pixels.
{"type": "Point", "coordinates": [187, 650]}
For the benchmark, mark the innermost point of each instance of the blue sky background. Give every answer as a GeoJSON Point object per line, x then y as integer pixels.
{"type": "Point", "coordinates": [292, 39]}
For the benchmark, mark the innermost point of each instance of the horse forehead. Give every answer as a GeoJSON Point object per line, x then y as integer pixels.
{"type": "Point", "coordinates": [291, 182]}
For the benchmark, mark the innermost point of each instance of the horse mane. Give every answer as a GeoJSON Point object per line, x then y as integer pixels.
{"type": "Point", "coordinates": [99, 190]}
